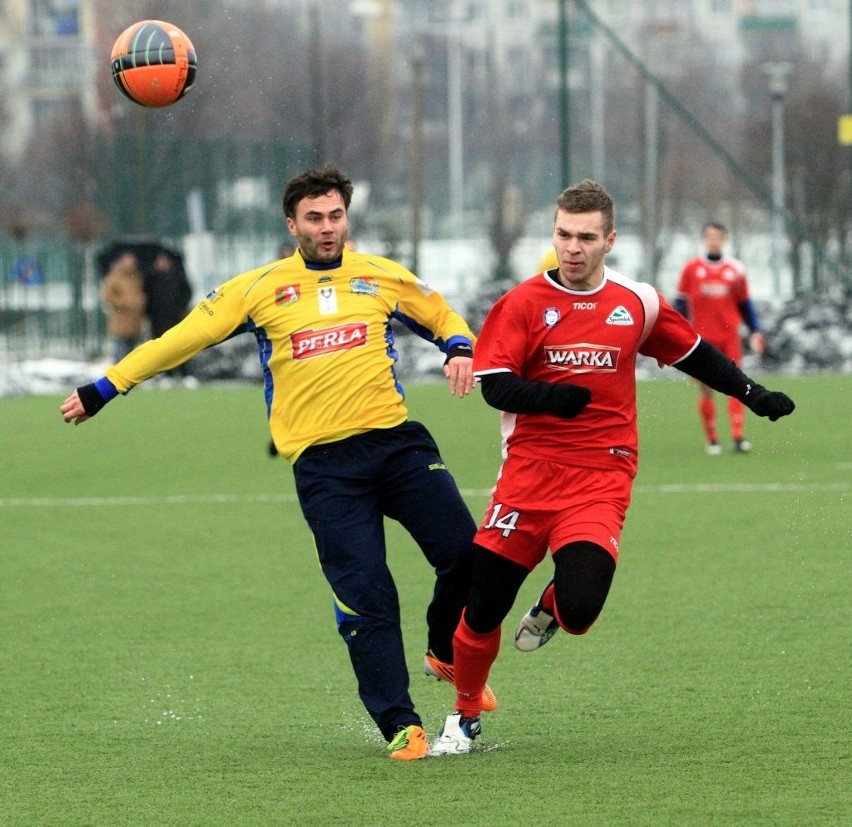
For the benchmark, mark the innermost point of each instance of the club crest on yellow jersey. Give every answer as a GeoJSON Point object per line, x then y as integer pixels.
{"type": "Point", "coordinates": [287, 294]}
{"type": "Point", "coordinates": [364, 284]}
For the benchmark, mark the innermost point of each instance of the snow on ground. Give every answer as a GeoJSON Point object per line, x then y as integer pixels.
{"type": "Point", "coordinates": [46, 376]}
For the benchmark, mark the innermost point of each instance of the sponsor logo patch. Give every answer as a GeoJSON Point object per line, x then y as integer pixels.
{"type": "Point", "coordinates": [582, 358]}
{"type": "Point", "coordinates": [716, 290]}
{"type": "Point", "coordinates": [287, 294]}
{"type": "Point", "coordinates": [309, 343]}
{"type": "Point", "coordinates": [327, 300]}
{"type": "Point", "coordinates": [620, 316]}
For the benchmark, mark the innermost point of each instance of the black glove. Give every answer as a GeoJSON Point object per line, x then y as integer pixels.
{"type": "Point", "coordinates": [271, 449]}
{"type": "Point", "coordinates": [91, 400]}
{"type": "Point", "coordinates": [773, 404]}
{"type": "Point", "coordinates": [567, 400]}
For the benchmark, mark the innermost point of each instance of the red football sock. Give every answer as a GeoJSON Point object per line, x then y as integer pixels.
{"type": "Point", "coordinates": [707, 409]}
{"type": "Point", "coordinates": [548, 600]}
{"type": "Point", "coordinates": [736, 411]}
{"type": "Point", "coordinates": [473, 655]}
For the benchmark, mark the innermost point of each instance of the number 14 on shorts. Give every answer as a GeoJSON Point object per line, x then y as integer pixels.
{"type": "Point", "coordinates": [507, 522]}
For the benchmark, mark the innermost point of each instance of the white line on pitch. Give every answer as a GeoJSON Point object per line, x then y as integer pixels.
{"type": "Point", "coordinates": [212, 499]}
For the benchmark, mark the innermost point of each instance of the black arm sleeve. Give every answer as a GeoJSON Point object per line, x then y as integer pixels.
{"type": "Point", "coordinates": [508, 392]}
{"type": "Point", "coordinates": [709, 365]}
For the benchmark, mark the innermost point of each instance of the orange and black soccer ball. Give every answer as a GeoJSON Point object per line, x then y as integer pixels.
{"type": "Point", "coordinates": [153, 63]}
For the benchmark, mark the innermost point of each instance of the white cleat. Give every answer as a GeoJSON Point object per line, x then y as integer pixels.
{"type": "Point", "coordinates": [537, 626]}
{"type": "Point", "coordinates": [456, 736]}
{"type": "Point", "coordinates": [713, 449]}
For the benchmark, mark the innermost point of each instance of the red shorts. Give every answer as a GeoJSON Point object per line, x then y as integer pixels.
{"type": "Point", "coordinates": [538, 505]}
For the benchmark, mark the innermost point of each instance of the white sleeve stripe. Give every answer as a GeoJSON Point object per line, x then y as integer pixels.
{"type": "Point", "coordinates": [689, 352]}
{"type": "Point", "coordinates": [651, 302]}
{"type": "Point", "coordinates": [490, 371]}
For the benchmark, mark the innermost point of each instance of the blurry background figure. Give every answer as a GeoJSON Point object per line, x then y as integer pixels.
{"type": "Point", "coordinates": [713, 294]}
{"type": "Point", "coordinates": [27, 270]}
{"type": "Point", "coordinates": [124, 300]}
{"type": "Point", "coordinates": [169, 294]}
{"type": "Point", "coordinates": [350, 245]}
{"type": "Point", "coordinates": [286, 250]}
{"type": "Point", "coordinates": [168, 291]}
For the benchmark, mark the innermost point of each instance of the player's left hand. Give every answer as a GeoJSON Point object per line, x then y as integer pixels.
{"type": "Point", "coordinates": [72, 409]}
{"type": "Point", "coordinates": [459, 372]}
{"type": "Point", "coordinates": [756, 343]}
{"type": "Point", "coordinates": [771, 404]}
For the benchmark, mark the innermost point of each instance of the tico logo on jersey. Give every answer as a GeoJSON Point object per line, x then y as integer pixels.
{"type": "Point", "coordinates": [309, 343]}
{"type": "Point", "coordinates": [582, 358]}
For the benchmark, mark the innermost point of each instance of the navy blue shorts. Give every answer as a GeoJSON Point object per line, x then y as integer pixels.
{"type": "Point", "coordinates": [347, 488]}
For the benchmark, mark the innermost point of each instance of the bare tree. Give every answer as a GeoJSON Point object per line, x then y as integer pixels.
{"type": "Point", "coordinates": [816, 166]}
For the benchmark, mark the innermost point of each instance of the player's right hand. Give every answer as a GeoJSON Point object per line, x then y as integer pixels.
{"type": "Point", "coordinates": [567, 400]}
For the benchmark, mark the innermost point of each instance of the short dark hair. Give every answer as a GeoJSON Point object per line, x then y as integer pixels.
{"type": "Point", "coordinates": [714, 225]}
{"type": "Point", "coordinates": [314, 182]}
{"type": "Point", "coordinates": [588, 196]}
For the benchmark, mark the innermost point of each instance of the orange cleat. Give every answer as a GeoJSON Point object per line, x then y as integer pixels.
{"type": "Point", "coordinates": [446, 672]}
{"type": "Point", "coordinates": [409, 744]}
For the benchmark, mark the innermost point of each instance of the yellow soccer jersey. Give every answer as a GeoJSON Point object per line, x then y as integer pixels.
{"type": "Point", "coordinates": [324, 340]}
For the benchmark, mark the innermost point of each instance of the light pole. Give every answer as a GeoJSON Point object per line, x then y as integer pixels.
{"type": "Point", "coordinates": [416, 155]}
{"type": "Point", "coordinates": [455, 138]}
{"type": "Point", "coordinates": [318, 98]}
{"type": "Point", "coordinates": [564, 98]}
{"type": "Point", "coordinates": [450, 30]}
{"type": "Point", "coordinates": [778, 75]}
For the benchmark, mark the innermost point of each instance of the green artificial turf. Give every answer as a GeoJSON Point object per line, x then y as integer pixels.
{"type": "Point", "coordinates": [169, 653]}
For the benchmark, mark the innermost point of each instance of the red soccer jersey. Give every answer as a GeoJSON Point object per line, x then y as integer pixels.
{"type": "Point", "coordinates": [714, 291]}
{"type": "Point", "coordinates": [543, 331]}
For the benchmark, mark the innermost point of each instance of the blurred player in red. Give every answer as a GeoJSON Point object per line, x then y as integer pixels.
{"type": "Point", "coordinates": [557, 356]}
{"type": "Point", "coordinates": [713, 295]}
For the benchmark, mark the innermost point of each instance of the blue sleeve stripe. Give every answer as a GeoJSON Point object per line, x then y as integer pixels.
{"type": "Point", "coordinates": [106, 389]}
{"type": "Point", "coordinates": [458, 340]}
{"type": "Point", "coordinates": [415, 327]}
{"type": "Point", "coordinates": [424, 333]}
{"type": "Point", "coordinates": [749, 314]}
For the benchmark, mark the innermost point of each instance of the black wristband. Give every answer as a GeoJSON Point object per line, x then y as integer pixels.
{"type": "Point", "coordinates": [459, 350]}
{"type": "Point", "coordinates": [91, 400]}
